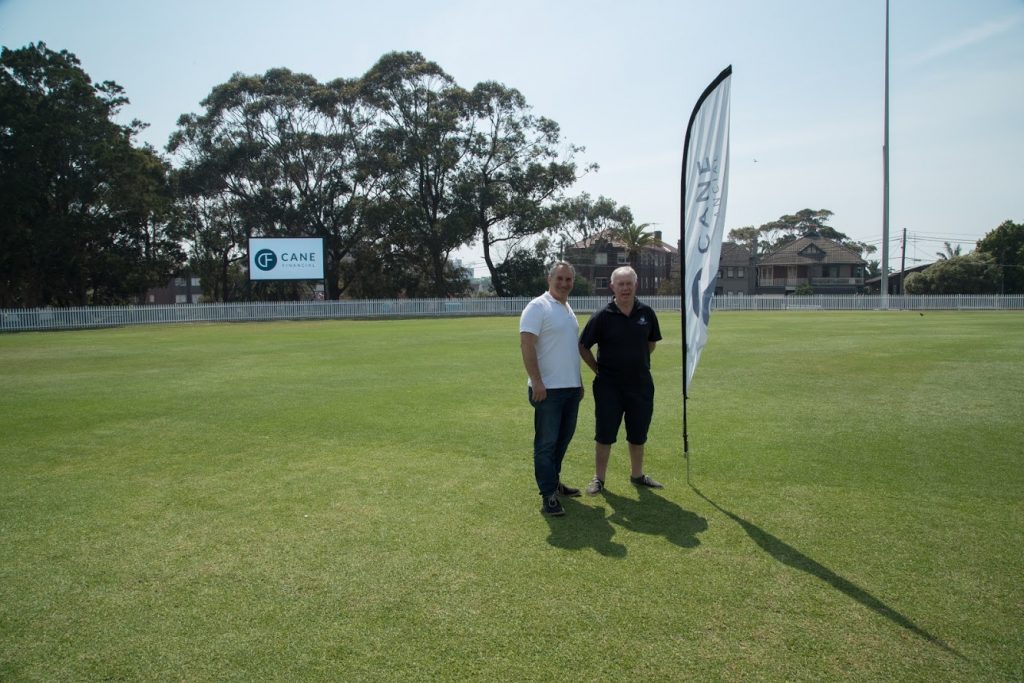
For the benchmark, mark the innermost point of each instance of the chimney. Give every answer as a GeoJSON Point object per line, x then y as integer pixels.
{"type": "Point", "coordinates": [657, 235]}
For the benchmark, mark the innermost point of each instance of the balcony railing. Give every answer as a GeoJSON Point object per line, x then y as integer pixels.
{"type": "Point", "coordinates": [821, 281]}
{"type": "Point", "coordinates": [833, 281]}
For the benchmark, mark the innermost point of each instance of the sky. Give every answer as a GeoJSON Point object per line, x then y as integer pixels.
{"type": "Point", "coordinates": [621, 79]}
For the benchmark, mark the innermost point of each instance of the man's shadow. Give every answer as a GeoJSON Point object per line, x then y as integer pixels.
{"type": "Point", "coordinates": [654, 515]}
{"type": "Point", "coordinates": [791, 557]}
{"type": "Point", "coordinates": [584, 526]}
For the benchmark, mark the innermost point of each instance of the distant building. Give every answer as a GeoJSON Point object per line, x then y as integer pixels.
{"type": "Point", "coordinates": [827, 266]}
{"type": "Point", "coordinates": [736, 273]}
{"type": "Point", "coordinates": [874, 284]}
{"type": "Point", "coordinates": [185, 289]}
{"type": "Point", "coordinates": [596, 258]}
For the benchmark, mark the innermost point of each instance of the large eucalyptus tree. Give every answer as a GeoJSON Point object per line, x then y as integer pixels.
{"type": "Point", "coordinates": [285, 155]}
{"type": "Point", "coordinates": [421, 139]}
{"type": "Point", "coordinates": [515, 174]}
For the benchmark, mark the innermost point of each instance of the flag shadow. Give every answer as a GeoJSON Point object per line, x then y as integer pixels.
{"type": "Point", "coordinates": [654, 515]}
{"type": "Point", "coordinates": [584, 526]}
{"type": "Point", "coordinates": [791, 557]}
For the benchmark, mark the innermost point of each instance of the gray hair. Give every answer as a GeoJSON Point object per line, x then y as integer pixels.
{"type": "Point", "coordinates": [624, 270]}
{"type": "Point", "coordinates": [561, 264]}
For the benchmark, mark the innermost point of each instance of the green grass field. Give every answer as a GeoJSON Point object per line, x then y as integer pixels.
{"type": "Point", "coordinates": [354, 501]}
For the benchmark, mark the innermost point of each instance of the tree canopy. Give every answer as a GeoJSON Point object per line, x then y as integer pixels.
{"type": "Point", "coordinates": [778, 233]}
{"type": "Point", "coordinates": [83, 213]}
{"type": "Point", "coordinates": [975, 273]}
{"type": "Point", "coordinates": [1006, 246]}
{"type": "Point", "coordinates": [395, 170]}
{"type": "Point", "coordinates": [277, 155]}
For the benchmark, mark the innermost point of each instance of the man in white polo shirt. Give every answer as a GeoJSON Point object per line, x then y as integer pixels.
{"type": "Point", "coordinates": [548, 332]}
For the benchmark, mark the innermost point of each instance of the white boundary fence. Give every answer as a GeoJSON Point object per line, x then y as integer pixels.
{"type": "Point", "coordinates": [29, 319]}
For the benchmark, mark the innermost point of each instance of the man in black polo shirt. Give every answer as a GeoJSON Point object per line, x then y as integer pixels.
{"type": "Point", "coordinates": [625, 332]}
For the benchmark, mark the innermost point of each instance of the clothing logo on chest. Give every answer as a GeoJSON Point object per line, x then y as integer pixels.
{"type": "Point", "coordinates": [642, 320]}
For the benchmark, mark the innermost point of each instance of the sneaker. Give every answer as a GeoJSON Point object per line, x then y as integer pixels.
{"type": "Point", "coordinates": [595, 487]}
{"type": "Point", "coordinates": [567, 491]}
{"type": "Point", "coordinates": [552, 506]}
{"type": "Point", "coordinates": [644, 480]}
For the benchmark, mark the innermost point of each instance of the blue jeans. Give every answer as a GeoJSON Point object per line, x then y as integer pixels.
{"type": "Point", "coordinates": [554, 423]}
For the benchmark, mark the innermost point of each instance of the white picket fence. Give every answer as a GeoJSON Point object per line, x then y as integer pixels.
{"type": "Point", "coordinates": [29, 319]}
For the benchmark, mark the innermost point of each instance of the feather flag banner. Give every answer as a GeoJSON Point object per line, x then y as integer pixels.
{"type": "Point", "coordinates": [705, 184]}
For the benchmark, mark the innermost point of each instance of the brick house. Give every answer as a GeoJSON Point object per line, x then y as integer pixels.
{"type": "Point", "coordinates": [596, 258]}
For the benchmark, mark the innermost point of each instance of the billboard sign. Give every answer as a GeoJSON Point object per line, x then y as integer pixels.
{"type": "Point", "coordinates": [286, 258]}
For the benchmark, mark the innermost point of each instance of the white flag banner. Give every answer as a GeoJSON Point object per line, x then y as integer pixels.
{"type": "Point", "coordinates": [705, 184]}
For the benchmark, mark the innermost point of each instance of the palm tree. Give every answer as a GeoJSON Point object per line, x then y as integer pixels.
{"type": "Point", "coordinates": [634, 239]}
{"type": "Point", "coordinates": [949, 253]}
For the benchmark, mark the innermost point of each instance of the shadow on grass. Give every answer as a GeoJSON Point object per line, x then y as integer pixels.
{"type": "Point", "coordinates": [584, 526]}
{"type": "Point", "coordinates": [791, 557]}
{"type": "Point", "coordinates": [652, 514]}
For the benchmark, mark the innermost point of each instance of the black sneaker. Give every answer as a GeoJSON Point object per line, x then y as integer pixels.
{"type": "Point", "coordinates": [552, 506]}
{"type": "Point", "coordinates": [568, 491]}
{"type": "Point", "coordinates": [595, 487]}
{"type": "Point", "coordinates": [644, 480]}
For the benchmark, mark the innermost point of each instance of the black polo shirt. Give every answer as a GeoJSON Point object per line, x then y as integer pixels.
{"type": "Point", "coordinates": [622, 351]}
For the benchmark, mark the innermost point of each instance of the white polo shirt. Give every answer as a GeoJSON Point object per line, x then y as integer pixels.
{"type": "Point", "coordinates": [557, 331]}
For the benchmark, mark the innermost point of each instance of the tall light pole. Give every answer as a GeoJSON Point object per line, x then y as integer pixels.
{"type": "Point", "coordinates": [885, 175]}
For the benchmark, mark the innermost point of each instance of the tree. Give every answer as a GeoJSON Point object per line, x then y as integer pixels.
{"type": "Point", "coordinates": [634, 240]}
{"type": "Point", "coordinates": [1006, 246]}
{"type": "Point", "coordinates": [285, 156]}
{"type": "Point", "coordinates": [949, 252]}
{"type": "Point", "coordinates": [789, 228]}
{"type": "Point", "coordinates": [747, 237]}
{"type": "Point", "coordinates": [422, 137]}
{"type": "Point", "coordinates": [83, 213]}
{"type": "Point", "coordinates": [586, 223]}
{"type": "Point", "coordinates": [975, 273]}
{"type": "Point", "coordinates": [216, 236]}
{"type": "Point", "coordinates": [514, 174]}
{"type": "Point", "coordinates": [523, 273]}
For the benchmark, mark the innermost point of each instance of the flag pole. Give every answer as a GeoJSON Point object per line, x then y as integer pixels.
{"type": "Point", "coordinates": [682, 292]}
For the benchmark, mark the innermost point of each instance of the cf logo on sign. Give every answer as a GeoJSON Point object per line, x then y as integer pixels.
{"type": "Point", "coordinates": [265, 259]}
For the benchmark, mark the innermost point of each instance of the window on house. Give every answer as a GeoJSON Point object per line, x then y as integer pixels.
{"type": "Point", "coordinates": [601, 258]}
{"type": "Point", "coordinates": [600, 283]}
{"type": "Point", "coordinates": [179, 282]}
{"type": "Point", "coordinates": [622, 258]}
{"type": "Point", "coordinates": [730, 272]}
{"type": "Point", "coordinates": [741, 272]}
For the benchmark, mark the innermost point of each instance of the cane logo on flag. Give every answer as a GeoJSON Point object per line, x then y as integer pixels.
{"type": "Point", "coordinates": [705, 181]}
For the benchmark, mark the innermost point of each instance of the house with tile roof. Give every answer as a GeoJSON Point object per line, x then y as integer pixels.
{"type": "Point", "coordinates": [827, 266]}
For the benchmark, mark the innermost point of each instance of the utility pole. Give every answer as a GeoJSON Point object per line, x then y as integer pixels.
{"type": "Point", "coordinates": [885, 175]}
{"type": "Point", "coordinates": [903, 263]}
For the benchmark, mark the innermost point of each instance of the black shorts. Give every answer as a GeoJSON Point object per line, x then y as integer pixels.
{"type": "Point", "coordinates": [612, 401]}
